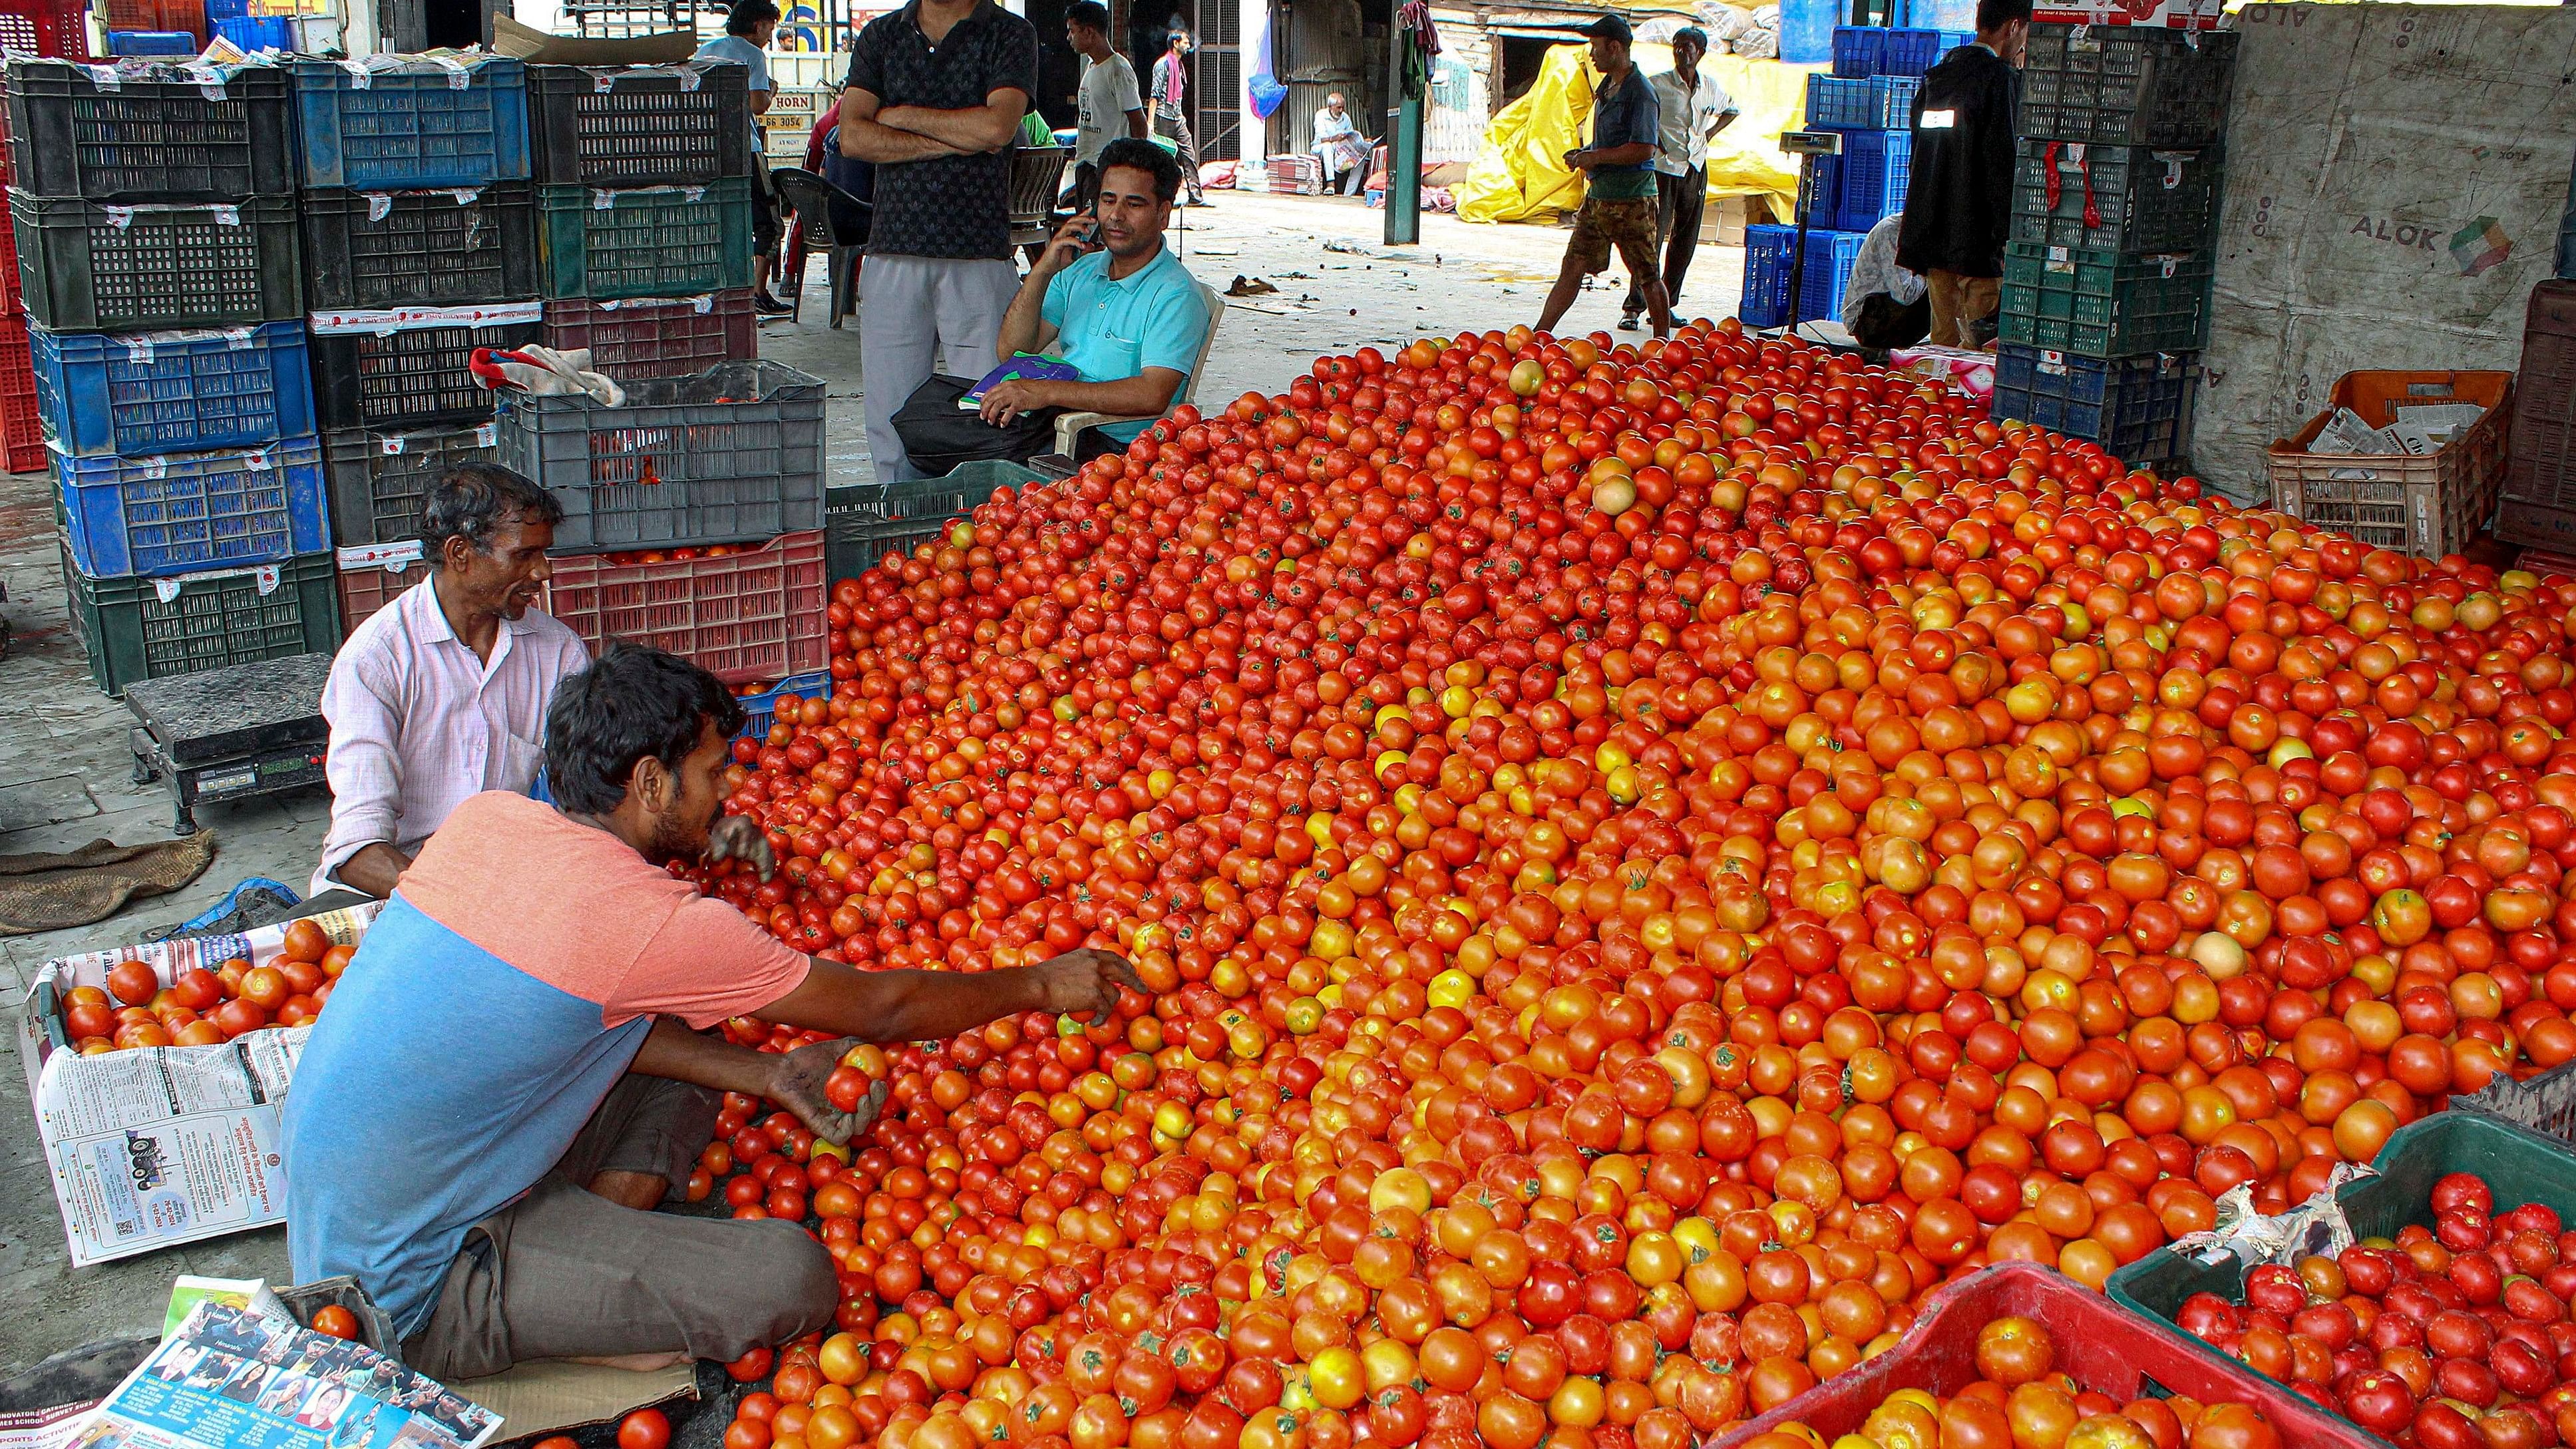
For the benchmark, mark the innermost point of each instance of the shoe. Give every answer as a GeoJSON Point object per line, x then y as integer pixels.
{"type": "Point", "coordinates": [1628, 322]}
{"type": "Point", "coordinates": [769, 306]}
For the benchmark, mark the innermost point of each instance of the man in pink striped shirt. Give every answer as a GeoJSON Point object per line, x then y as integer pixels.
{"type": "Point", "coordinates": [442, 694]}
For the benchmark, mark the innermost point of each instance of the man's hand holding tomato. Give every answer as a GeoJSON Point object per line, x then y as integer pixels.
{"type": "Point", "coordinates": [796, 1081]}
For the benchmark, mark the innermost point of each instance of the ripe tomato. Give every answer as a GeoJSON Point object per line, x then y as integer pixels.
{"type": "Point", "coordinates": [644, 1429]}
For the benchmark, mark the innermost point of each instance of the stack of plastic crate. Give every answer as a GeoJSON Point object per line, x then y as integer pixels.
{"type": "Point", "coordinates": [2106, 280]}
{"type": "Point", "coordinates": [419, 230]}
{"type": "Point", "coordinates": [154, 216]}
{"type": "Point", "coordinates": [39, 28]}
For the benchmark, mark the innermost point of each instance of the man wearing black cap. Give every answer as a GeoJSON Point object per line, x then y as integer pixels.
{"type": "Point", "coordinates": [1619, 198]}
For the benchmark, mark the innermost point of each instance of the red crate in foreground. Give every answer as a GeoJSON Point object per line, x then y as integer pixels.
{"type": "Point", "coordinates": [22, 428]}
{"type": "Point", "coordinates": [2099, 1344]}
{"type": "Point", "coordinates": [753, 615]}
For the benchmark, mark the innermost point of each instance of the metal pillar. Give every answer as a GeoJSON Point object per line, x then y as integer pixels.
{"type": "Point", "coordinates": [1403, 144]}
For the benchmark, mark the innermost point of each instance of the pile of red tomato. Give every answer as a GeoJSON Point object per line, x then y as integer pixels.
{"type": "Point", "coordinates": [203, 1007]}
{"type": "Point", "coordinates": [2455, 1336]}
{"type": "Point", "coordinates": [1647, 861]}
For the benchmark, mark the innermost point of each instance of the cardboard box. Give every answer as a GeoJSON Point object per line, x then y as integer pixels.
{"type": "Point", "coordinates": [540, 47]}
{"type": "Point", "coordinates": [163, 1145]}
{"type": "Point", "coordinates": [1721, 223]}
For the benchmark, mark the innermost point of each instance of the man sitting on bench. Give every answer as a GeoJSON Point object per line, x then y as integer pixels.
{"type": "Point", "coordinates": [1108, 300]}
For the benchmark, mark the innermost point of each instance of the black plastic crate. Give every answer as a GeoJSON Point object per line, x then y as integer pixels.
{"type": "Point", "coordinates": [380, 480]}
{"type": "Point", "coordinates": [209, 620]}
{"type": "Point", "coordinates": [88, 267]}
{"type": "Point", "coordinates": [2113, 198]}
{"type": "Point", "coordinates": [420, 248]}
{"type": "Point", "coordinates": [2136, 407]}
{"type": "Point", "coordinates": [2104, 304]}
{"type": "Point", "coordinates": [179, 135]}
{"type": "Point", "coordinates": [394, 371]}
{"type": "Point", "coordinates": [639, 125]}
{"type": "Point", "coordinates": [2127, 85]}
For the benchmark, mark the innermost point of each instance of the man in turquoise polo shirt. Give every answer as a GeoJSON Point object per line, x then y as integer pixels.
{"type": "Point", "coordinates": [1111, 300]}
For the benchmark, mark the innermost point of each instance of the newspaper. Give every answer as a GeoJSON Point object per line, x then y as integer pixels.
{"type": "Point", "coordinates": [231, 1378]}
{"type": "Point", "coordinates": [162, 1145]}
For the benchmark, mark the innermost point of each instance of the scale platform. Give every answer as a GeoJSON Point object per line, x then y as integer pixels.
{"type": "Point", "coordinates": [232, 733]}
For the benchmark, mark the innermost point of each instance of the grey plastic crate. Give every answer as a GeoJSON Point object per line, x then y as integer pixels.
{"type": "Point", "coordinates": [2139, 199]}
{"type": "Point", "coordinates": [727, 455]}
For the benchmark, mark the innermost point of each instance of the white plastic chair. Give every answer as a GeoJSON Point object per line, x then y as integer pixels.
{"type": "Point", "coordinates": [1069, 427]}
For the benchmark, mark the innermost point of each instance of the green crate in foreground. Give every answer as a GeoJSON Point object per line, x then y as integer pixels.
{"type": "Point", "coordinates": [863, 522]}
{"type": "Point", "coordinates": [207, 621]}
{"type": "Point", "coordinates": [2101, 303]}
{"type": "Point", "coordinates": [2521, 1166]}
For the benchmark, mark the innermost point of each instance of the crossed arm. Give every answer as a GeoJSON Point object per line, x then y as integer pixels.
{"type": "Point", "coordinates": [874, 132]}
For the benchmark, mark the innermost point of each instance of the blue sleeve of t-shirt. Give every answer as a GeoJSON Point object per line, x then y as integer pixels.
{"type": "Point", "coordinates": [1059, 298]}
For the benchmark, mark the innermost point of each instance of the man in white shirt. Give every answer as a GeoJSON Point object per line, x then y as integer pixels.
{"type": "Point", "coordinates": [442, 694]}
{"type": "Point", "coordinates": [1692, 110]}
{"type": "Point", "coordinates": [1340, 146]}
{"type": "Point", "coordinates": [749, 27]}
{"type": "Point", "coordinates": [1885, 305]}
{"type": "Point", "coordinates": [1108, 105]}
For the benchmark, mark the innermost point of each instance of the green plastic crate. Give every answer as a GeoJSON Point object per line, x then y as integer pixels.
{"type": "Point", "coordinates": [2520, 1165]}
{"type": "Point", "coordinates": [864, 522]}
{"type": "Point", "coordinates": [209, 621]}
{"type": "Point", "coordinates": [646, 241]}
{"type": "Point", "coordinates": [2100, 303]}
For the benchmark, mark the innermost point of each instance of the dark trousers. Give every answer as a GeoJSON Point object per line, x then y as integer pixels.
{"type": "Point", "coordinates": [1174, 122]}
{"type": "Point", "coordinates": [565, 1273]}
{"type": "Point", "coordinates": [1885, 322]}
{"type": "Point", "coordinates": [1086, 185]}
{"type": "Point", "coordinates": [1679, 203]}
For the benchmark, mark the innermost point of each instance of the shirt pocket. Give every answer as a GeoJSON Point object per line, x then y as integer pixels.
{"type": "Point", "coordinates": [520, 761]}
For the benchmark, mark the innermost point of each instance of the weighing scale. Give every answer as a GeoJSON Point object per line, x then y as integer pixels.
{"type": "Point", "coordinates": [233, 733]}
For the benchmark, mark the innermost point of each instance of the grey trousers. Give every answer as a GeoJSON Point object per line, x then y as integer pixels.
{"type": "Point", "coordinates": [565, 1273]}
{"type": "Point", "coordinates": [912, 310]}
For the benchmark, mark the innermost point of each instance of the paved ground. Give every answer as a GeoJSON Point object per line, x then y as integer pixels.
{"type": "Point", "coordinates": [66, 776]}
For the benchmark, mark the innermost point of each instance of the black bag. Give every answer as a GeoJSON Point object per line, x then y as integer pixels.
{"type": "Point", "coordinates": [938, 434]}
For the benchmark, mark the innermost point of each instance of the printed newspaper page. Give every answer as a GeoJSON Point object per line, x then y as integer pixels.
{"type": "Point", "coordinates": [233, 1379]}
{"type": "Point", "coordinates": [168, 1144]}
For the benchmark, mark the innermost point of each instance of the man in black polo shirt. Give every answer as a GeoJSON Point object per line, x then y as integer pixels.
{"type": "Point", "coordinates": [935, 97]}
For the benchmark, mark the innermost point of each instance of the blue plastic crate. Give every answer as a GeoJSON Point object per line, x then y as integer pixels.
{"type": "Point", "coordinates": [1912, 51]}
{"type": "Point", "coordinates": [409, 128]}
{"type": "Point", "coordinates": [1858, 50]}
{"type": "Point", "coordinates": [146, 394]}
{"type": "Point", "coordinates": [194, 511]}
{"type": "Point", "coordinates": [1875, 168]}
{"type": "Point", "coordinates": [152, 42]}
{"type": "Point", "coordinates": [762, 708]}
{"type": "Point", "coordinates": [2137, 408]}
{"type": "Point", "coordinates": [1830, 255]}
{"type": "Point", "coordinates": [226, 9]}
{"type": "Point", "coordinates": [1766, 275]}
{"type": "Point", "coordinates": [1842, 102]}
{"type": "Point", "coordinates": [255, 33]}
{"type": "Point", "coordinates": [1891, 99]}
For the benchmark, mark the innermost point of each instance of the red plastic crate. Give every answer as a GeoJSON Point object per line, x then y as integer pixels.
{"type": "Point", "coordinates": [165, 15]}
{"type": "Point", "coordinates": [2099, 1344]}
{"type": "Point", "coordinates": [371, 575]}
{"type": "Point", "coordinates": [40, 28]}
{"type": "Point", "coordinates": [656, 336]}
{"type": "Point", "coordinates": [22, 429]}
{"type": "Point", "coordinates": [757, 615]}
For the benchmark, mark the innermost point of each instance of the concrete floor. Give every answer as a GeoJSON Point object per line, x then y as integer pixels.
{"type": "Point", "coordinates": [66, 776]}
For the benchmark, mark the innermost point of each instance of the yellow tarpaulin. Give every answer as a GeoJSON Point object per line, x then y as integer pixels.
{"type": "Point", "coordinates": [1520, 174]}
